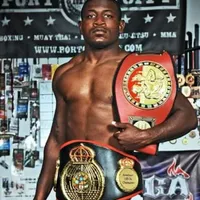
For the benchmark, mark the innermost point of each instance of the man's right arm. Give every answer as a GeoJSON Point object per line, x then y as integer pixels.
{"type": "Point", "coordinates": [51, 151]}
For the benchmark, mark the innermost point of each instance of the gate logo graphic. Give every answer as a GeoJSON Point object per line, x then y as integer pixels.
{"type": "Point", "coordinates": [174, 171]}
{"type": "Point", "coordinates": [174, 185]}
{"type": "Point", "coordinates": [71, 10]}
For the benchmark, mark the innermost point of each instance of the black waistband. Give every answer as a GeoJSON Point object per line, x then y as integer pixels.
{"type": "Point", "coordinates": [107, 159]}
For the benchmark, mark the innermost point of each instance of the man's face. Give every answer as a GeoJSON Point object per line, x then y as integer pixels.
{"type": "Point", "coordinates": [100, 25]}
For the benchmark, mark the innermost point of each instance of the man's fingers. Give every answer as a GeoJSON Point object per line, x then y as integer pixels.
{"type": "Point", "coordinates": [119, 124]}
{"type": "Point", "coordinates": [116, 134]}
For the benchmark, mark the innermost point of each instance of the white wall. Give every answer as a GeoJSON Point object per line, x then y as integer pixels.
{"type": "Point", "coordinates": [193, 14]}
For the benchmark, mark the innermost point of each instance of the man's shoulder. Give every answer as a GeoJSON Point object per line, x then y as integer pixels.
{"type": "Point", "coordinates": [67, 65]}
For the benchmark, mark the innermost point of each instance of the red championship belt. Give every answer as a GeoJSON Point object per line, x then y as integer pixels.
{"type": "Point", "coordinates": [145, 89]}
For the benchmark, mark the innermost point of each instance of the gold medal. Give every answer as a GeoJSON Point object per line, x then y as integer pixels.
{"type": "Point", "coordinates": [189, 79]}
{"type": "Point", "coordinates": [181, 79]}
{"type": "Point", "coordinates": [185, 141]}
{"type": "Point", "coordinates": [186, 91]}
{"type": "Point", "coordinates": [192, 134]}
{"type": "Point", "coordinates": [82, 177]}
{"type": "Point", "coordinates": [127, 178]}
{"type": "Point", "coordinates": [173, 141]}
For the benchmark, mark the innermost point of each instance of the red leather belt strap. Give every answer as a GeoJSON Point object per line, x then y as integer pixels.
{"type": "Point", "coordinates": [145, 89]}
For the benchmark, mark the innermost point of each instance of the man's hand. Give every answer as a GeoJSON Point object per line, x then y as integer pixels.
{"type": "Point", "coordinates": [130, 137]}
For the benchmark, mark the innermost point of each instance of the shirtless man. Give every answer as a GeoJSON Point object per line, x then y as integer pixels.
{"type": "Point", "coordinates": [83, 90]}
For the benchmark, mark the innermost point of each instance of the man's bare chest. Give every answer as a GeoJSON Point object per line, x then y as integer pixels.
{"type": "Point", "coordinates": [94, 85]}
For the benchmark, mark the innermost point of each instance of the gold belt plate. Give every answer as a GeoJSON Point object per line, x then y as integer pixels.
{"type": "Point", "coordinates": [127, 178]}
{"type": "Point", "coordinates": [82, 177]}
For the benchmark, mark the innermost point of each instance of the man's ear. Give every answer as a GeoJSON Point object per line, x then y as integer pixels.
{"type": "Point", "coordinates": [80, 26]}
{"type": "Point", "coordinates": [121, 26]}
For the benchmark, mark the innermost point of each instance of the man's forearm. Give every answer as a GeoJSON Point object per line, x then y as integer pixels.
{"type": "Point", "coordinates": [46, 178]}
{"type": "Point", "coordinates": [175, 126]}
{"type": "Point", "coordinates": [44, 187]}
{"type": "Point", "coordinates": [181, 120]}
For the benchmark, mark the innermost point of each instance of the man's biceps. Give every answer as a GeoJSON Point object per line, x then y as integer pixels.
{"type": "Point", "coordinates": [180, 101]}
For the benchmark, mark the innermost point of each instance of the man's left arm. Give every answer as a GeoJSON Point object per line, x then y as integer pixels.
{"type": "Point", "coordinates": [181, 120]}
